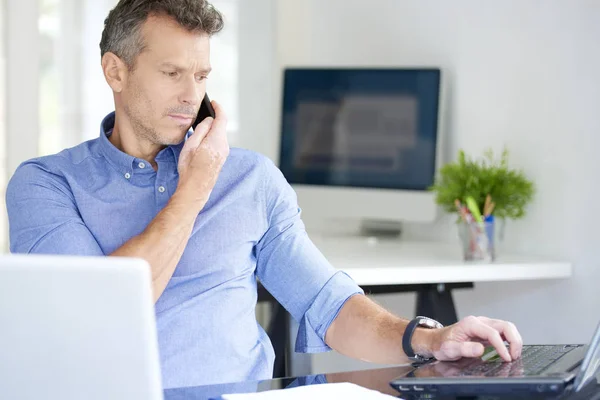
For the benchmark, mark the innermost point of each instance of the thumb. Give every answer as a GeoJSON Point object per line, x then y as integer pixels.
{"type": "Point", "coordinates": [455, 350]}
{"type": "Point", "coordinates": [471, 349]}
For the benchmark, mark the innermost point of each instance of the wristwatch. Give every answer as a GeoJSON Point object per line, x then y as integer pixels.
{"type": "Point", "coordinates": [418, 322]}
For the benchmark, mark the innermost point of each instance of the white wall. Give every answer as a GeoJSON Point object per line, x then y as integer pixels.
{"type": "Point", "coordinates": [257, 74]}
{"type": "Point", "coordinates": [22, 64]}
{"type": "Point", "coordinates": [522, 74]}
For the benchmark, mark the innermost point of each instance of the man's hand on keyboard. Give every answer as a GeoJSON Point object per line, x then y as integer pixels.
{"type": "Point", "coordinates": [469, 336]}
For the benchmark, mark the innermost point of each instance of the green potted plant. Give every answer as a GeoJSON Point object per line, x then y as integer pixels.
{"type": "Point", "coordinates": [485, 186]}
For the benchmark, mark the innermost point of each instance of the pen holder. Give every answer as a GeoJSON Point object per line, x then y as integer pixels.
{"type": "Point", "coordinates": [478, 240]}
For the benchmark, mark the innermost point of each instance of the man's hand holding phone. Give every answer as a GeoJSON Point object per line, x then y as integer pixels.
{"type": "Point", "coordinates": [202, 157]}
{"type": "Point", "coordinates": [165, 238]}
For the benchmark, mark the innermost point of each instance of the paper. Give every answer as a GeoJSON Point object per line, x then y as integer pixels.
{"type": "Point", "coordinates": [325, 391]}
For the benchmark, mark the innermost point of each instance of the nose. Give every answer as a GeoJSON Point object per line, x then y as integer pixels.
{"type": "Point", "coordinates": [191, 92]}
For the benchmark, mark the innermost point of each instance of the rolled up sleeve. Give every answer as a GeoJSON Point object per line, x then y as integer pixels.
{"type": "Point", "coordinates": [294, 271]}
{"type": "Point", "coordinates": [323, 310]}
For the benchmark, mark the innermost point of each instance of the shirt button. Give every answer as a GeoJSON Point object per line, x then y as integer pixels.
{"type": "Point", "coordinates": [142, 165]}
{"type": "Point", "coordinates": [127, 175]}
{"type": "Point", "coordinates": [161, 189]}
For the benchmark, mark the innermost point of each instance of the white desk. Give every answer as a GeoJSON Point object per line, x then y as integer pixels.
{"type": "Point", "coordinates": [393, 262]}
{"type": "Point", "coordinates": [431, 270]}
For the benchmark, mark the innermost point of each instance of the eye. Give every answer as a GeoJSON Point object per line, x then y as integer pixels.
{"type": "Point", "coordinates": [171, 74]}
{"type": "Point", "coordinates": [200, 78]}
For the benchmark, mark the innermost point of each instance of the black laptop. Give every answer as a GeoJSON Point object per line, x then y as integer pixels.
{"type": "Point", "coordinates": [543, 369]}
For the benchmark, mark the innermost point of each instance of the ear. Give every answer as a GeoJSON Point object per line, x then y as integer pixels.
{"type": "Point", "coordinates": [115, 71]}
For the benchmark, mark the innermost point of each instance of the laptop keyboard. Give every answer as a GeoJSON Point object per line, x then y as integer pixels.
{"type": "Point", "coordinates": [534, 360]}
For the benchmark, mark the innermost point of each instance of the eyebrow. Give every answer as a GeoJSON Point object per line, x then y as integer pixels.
{"type": "Point", "coordinates": [179, 68]}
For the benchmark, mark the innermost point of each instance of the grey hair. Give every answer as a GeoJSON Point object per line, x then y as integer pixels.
{"type": "Point", "coordinates": [122, 28]}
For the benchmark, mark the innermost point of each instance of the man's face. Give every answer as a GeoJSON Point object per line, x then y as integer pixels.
{"type": "Point", "coordinates": [164, 91]}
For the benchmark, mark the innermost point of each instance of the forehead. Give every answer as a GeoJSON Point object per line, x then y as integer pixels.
{"type": "Point", "coordinates": [165, 39]}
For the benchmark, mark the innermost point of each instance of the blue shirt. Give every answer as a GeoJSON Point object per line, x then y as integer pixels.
{"type": "Point", "coordinates": [91, 199]}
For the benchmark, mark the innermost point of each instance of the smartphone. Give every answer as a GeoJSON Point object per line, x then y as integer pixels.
{"type": "Point", "coordinates": [206, 110]}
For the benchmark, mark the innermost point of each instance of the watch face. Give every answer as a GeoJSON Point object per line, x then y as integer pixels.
{"type": "Point", "coordinates": [429, 323]}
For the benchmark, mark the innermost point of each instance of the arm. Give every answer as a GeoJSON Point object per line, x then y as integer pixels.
{"type": "Point", "coordinates": [366, 331]}
{"type": "Point", "coordinates": [331, 309]}
{"type": "Point", "coordinates": [293, 269]}
{"type": "Point", "coordinates": [44, 217]}
{"type": "Point", "coordinates": [163, 241]}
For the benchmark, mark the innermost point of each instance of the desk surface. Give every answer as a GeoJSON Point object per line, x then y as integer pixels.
{"type": "Point", "coordinates": [375, 379]}
{"type": "Point", "coordinates": [392, 262]}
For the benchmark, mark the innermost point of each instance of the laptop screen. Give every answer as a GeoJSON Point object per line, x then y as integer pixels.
{"type": "Point", "coordinates": [591, 363]}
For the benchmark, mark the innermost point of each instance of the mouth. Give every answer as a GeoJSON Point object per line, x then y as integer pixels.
{"type": "Point", "coordinates": [182, 119]}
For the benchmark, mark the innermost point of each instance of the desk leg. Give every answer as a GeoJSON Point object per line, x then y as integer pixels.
{"type": "Point", "coordinates": [278, 333]}
{"type": "Point", "coordinates": [435, 301]}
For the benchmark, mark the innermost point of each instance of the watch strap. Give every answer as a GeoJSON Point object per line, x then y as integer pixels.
{"type": "Point", "coordinates": [419, 321]}
{"type": "Point", "coordinates": [407, 337]}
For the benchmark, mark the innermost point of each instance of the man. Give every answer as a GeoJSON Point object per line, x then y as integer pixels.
{"type": "Point", "coordinates": [208, 219]}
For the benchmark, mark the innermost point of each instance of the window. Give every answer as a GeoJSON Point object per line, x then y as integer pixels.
{"type": "Point", "coordinates": [48, 24]}
{"type": "Point", "coordinates": [3, 160]}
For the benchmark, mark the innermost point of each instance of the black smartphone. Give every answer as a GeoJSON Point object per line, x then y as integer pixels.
{"type": "Point", "coordinates": [206, 110]}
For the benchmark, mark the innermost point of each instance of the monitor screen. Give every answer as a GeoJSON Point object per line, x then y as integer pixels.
{"type": "Point", "coordinates": [371, 128]}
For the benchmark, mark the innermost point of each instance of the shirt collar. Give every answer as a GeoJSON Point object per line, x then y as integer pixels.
{"type": "Point", "coordinates": [124, 162]}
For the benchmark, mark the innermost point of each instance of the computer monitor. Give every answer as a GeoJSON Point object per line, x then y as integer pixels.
{"type": "Point", "coordinates": [362, 143]}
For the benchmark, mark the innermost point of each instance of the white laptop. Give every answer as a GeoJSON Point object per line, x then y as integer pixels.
{"type": "Point", "coordinates": [77, 328]}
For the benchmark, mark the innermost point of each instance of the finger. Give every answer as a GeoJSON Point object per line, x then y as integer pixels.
{"type": "Point", "coordinates": [510, 333]}
{"type": "Point", "coordinates": [478, 329]}
{"type": "Point", "coordinates": [193, 142]}
{"type": "Point", "coordinates": [200, 132]}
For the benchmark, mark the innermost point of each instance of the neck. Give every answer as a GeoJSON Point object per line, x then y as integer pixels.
{"type": "Point", "coordinates": [124, 138]}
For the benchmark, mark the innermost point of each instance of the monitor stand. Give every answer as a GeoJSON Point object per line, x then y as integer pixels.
{"type": "Point", "coordinates": [383, 229]}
